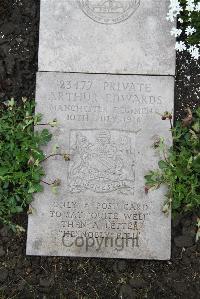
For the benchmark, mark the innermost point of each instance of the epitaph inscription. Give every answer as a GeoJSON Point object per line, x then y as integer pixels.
{"type": "Point", "coordinates": [101, 209]}
{"type": "Point", "coordinates": [109, 11]}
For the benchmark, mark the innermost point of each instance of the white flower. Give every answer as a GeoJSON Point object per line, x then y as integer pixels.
{"type": "Point", "coordinates": [190, 30]}
{"type": "Point", "coordinates": [190, 5]}
{"type": "Point", "coordinates": [180, 46]}
{"type": "Point", "coordinates": [197, 8]}
{"type": "Point", "coordinates": [194, 51]}
{"type": "Point", "coordinates": [174, 9]}
{"type": "Point", "coordinates": [187, 6]}
{"type": "Point", "coordinates": [175, 6]}
{"type": "Point", "coordinates": [170, 16]}
{"type": "Point", "coordinates": [176, 32]}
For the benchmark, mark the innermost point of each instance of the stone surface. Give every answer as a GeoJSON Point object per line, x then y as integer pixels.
{"type": "Point", "coordinates": [124, 37]}
{"type": "Point", "coordinates": [107, 123]}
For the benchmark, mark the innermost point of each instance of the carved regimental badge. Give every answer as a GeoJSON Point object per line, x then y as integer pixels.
{"type": "Point", "coordinates": [109, 11]}
{"type": "Point", "coordinates": [102, 161]}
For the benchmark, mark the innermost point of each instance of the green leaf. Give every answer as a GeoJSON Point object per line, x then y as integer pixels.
{"type": "Point", "coordinates": [3, 171]}
{"type": "Point", "coordinates": [11, 102]}
{"type": "Point", "coordinates": [45, 136]}
{"type": "Point", "coordinates": [17, 209]}
{"type": "Point", "coordinates": [181, 172]}
{"type": "Point", "coordinates": [20, 156]}
{"type": "Point", "coordinates": [35, 188]}
{"type": "Point", "coordinates": [162, 164]}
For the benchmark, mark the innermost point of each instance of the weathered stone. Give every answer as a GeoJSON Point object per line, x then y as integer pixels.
{"type": "Point", "coordinates": [107, 124]}
{"type": "Point", "coordinates": [97, 36]}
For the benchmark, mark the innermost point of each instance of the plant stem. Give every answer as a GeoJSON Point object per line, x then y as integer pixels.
{"type": "Point", "coordinates": [171, 125]}
{"type": "Point", "coordinates": [41, 124]}
{"type": "Point", "coordinates": [49, 184]}
{"type": "Point", "coordinates": [52, 155]}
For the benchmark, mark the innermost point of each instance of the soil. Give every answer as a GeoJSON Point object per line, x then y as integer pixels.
{"type": "Point", "coordinates": [27, 277]}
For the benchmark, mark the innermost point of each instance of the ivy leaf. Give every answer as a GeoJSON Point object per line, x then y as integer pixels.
{"type": "Point", "coordinates": [45, 136]}
{"type": "Point", "coordinates": [162, 164]}
{"type": "Point", "coordinates": [35, 188]}
{"type": "Point", "coordinates": [20, 155]}
{"type": "Point", "coordinates": [17, 209]}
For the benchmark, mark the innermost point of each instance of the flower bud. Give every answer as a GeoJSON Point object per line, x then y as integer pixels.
{"type": "Point", "coordinates": [31, 160]}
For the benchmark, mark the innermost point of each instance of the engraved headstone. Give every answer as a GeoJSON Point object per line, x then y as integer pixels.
{"type": "Point", "coordinates": [106, 36]}
{"type": "Point", "coordinates": [108, 124]}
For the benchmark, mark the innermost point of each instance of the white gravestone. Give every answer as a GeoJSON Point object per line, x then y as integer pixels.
{"type": "Point", "coordinates": [99, 36]}
{"type": "Point", "coordinates": [108, 124]}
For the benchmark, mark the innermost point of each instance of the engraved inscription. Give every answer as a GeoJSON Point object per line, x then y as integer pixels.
{"type": "Point", "coordinates": [109, 11]}
{"type": "Point", "coordinates": [109, 224]}
{"type": "Point", "coordinates": [107, 124]}
{"type": "Point", "coordinates": [102, 161]}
